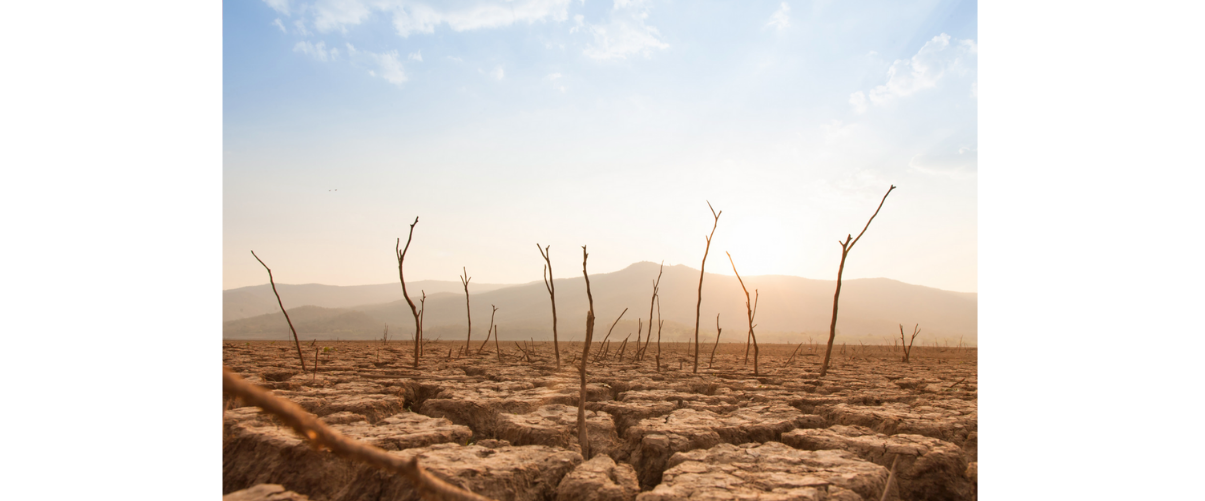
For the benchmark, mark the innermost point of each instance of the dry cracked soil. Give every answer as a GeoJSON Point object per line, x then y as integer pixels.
{"type": "Point", "coordinates": [505, 426]}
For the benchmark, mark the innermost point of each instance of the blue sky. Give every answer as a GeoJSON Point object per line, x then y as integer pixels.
{"type": "Point", "coordinates": [602, 123]}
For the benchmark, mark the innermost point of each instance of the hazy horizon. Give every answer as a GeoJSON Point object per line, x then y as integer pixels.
{"type": "Point", "coordinates": [503, 285]}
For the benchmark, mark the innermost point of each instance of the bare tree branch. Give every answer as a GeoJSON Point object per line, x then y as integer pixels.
{"type": "Point", "coordinates": [699, 303]}
{"type": "Point", "coordinates": [418, 325]}
{"type": "Point", "coordinates": [846, 246]}
{"type": "Point", "coordinates": [583, 436]}
{"type": "Point", "coordinates": [548, 284]}
{"type": "Point", "coordinates": [469, 313]}
{"type": "Point", "coordinates": [282, 310]}
{"type": "Point", "coordinates": [751, 311]}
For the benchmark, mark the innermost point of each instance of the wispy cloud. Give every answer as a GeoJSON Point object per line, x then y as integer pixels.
{"type": "Point", "coordinates": [316, 50]}
{"type": "Point", "coordinates": [781, 19]}
{"type": "Point", "coordinates": [955, 156]}
{"type": "Point", "coordinates": [625, 34]}
{"type": "Point", "coordinates": [936, 59]}
{"type": "Point", "coordinates": [331, 15]}
{"type": "Point", "coordinates": [554, 78]}
{"type": "Point", "coordinates": [280, 25]}
{"type": "Point", "coordinates": [836, 130]}
{"type": "Point", "coordinates": [416, 56]}
{"type": "Point", "coordinates": [387, 65]}
{"type": "Point", "coordinates": [281, 6]}
{"type": "Point", "coordinates": [498, 74]}
{"type": "Point", "coordinates": [858, 100]}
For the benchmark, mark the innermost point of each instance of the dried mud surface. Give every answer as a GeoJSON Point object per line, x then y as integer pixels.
{"type": "Point", "coordinates": [507, 428]}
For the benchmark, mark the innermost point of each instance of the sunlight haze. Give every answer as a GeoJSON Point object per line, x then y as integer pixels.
{"type": "Point", "coordinates": [598, 123]}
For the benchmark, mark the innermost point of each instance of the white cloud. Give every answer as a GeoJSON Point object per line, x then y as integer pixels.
{"type": "Point", "coordinates": [956, 156]}
{"type": "Point", "coordinates": [553, 77]}
{"type": "Point", "coordinates": [938, 58]}
{"type": "Point", "coordinates": [300, 25]}
{"type": "Point", "coordinates": [388, 65]}
{"type": "Point", "coordinates": [281, 6]}
{"type": "Point", "coordinates": [781, 19]}
{"type": "Point", "coordinates": [836, 130]}
{"type": "Point", "coordinates": [416, 17]}
{"type": "Point", "coordinates": [280, 25]}
{"type": "Point", "coordinates": [858, 100]}
{"type": "Point", "coordinates": [625, 34]}
{"type": "Point", "coordinates": [338, 14]}
{"type": "Point", "coordinates": [498, 74]}
{"type": "Point", "coordinates": [974, 90]}
{"type": "Point", "coordinates": [416, 56]}
{"type": "Point", "coordinates": [316, 50]}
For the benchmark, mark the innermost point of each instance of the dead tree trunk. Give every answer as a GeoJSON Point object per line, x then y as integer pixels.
{"type": "Point", "coordinates": [464, 280]}
{"type": "Point", "coordinates": [752, 313]}
{"type": "Point", "coordinates": [418, 324]}
{"type": "Point", "coordinates": [699, 303]}
{"type": "Point", "coordinates": [656, 286]}
{"type": "Point", "coordinates": [846, 246]}
{"type": "Point", "coordinates": [584, 437]}
{"type": "Point", "coordinates": [711, 360]}
{"type": "Point", "coordinates": [548, 284]}
{"type": "Point", "coordinates": [282, 310]}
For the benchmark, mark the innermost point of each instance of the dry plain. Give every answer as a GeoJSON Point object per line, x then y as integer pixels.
{"type": "Point", "coordinates": [504, 426]}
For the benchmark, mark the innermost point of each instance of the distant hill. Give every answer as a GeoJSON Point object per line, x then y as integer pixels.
{"type": "Point", "coordinates": [311, 322]}
{"type": "Point", "coordinates": [790, 309]}
{"type": "Point", "coordinates": [246, 302]}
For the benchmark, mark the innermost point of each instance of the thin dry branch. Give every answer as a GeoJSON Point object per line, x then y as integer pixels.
{"type": "Point", "coordinates": [418, 324]}
{"type": "Point", "coordinates": [846, 246]}
{"type": "Point", "coordinates": [890, 478]}
{"type": "Point", "coordinates": [464, 280]}
{"type": "Point", "coordinates": [551, 286]}
{"type": "Point", "coordinates": [496, 347]}
{"type": "Point", "coordinates": [656, 287]}
{"type": "Point", "coordinates": [322, 436]}
{"type": "Point", "coordinates": [751, 311]}
{"type": "Point", "coordinates": [282, 310]}
{"type": "Point", "coordinates": [699, 303]}
{"type": "Point", "coordinates": [718, 330]}
{"type": "Point", "coordinates": [583, 436]}
{"type": "Point", "coordinates": [487, 331]}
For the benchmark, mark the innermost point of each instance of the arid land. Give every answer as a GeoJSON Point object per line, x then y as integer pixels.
{"type": "Point", "coordinates": [505, 427]}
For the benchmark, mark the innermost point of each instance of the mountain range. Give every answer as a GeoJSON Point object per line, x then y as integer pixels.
{"type": "Point", "coordinates": [789, 309]}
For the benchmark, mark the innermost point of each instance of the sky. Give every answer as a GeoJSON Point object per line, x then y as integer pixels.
{"type": "Point", "coordinates": [610, 124]}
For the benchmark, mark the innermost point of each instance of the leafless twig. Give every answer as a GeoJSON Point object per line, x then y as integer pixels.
{"type": "Point", "coordinates": [583, 436]}
{"type": "Point", "coordinates": [418, 324]}
{"type": "Point", "coordinates": [699, 303]}
{"type": "Point", "coordinates": [465, 281]}
{"type": "Point", "coordinates": [846, 246]}
{"type": "Point", "coordinates": [751, 310]}
{"type": "Point", "coordinates": [282, 310]}
{"type": "Point", "coordinates": [548, 284]}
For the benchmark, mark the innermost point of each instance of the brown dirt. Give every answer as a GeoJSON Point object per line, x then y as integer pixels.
{"type": "Point", "coordinates": [507, 430]}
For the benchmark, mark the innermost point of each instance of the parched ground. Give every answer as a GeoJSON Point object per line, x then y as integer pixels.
{"type": "Point", "coordinates": [504, 427]}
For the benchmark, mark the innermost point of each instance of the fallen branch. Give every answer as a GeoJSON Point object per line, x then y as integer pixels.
{"type": "Point", "coordinates": [322, 436]}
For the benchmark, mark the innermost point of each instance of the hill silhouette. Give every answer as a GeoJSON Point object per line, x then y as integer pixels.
{"type": "Point", "coordinates": [791, 309]}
